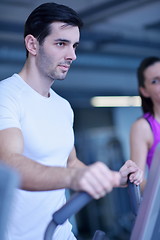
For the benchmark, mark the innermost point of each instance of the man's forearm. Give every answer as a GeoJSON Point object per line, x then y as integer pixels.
{"type": "Point", "coordinates": [37, 177]}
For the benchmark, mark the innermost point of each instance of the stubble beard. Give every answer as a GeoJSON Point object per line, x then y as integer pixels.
{"type": "Point", "coordinates": [54, 75]}
{"type": "Point", "coordinates": [46, 67]}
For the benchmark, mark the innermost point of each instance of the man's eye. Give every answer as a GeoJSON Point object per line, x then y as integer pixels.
{"type": "Point", "coordinates": [60, 44]}
{"type": "Point", "coordinates": [75, 46]}
{"type": "Point", "coordinates": [155, 81]}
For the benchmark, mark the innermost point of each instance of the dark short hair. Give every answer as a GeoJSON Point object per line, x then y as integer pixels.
{"type": "Point", "coordinates": [147, 104]}
{"type": "Point", "coordinates": [39, 21]}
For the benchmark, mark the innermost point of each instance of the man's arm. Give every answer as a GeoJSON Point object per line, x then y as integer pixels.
{"type": "Point", "coordinates": [104, 175]}
{"type": "Point", "coordinates": [96, 179]}
{"type": "Point", "coordinates": [34, 176]}
{"type": "Point", "coordinates": [73, 161]}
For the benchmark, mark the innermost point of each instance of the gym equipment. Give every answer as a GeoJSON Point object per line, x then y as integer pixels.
{"type": "Point", "coordinates": [9, 180]}
{"type": "Point", "coordinates": [72, 206]}
{"type": "Point", "coordinates": [147, 224]}
{"type": "Point", "coordinates": [77, 202]}
{"type": "Point", "coordinates": [134, 197]}
{"type": "Point", "coordinates": [146, 209]}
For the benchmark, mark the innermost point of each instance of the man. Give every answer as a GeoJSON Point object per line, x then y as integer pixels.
{"type": "Point", "coordinates": [36, 136]}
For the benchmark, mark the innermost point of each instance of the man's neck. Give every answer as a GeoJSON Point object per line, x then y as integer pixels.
{"type": "Point", "coordinates": [34, 80]}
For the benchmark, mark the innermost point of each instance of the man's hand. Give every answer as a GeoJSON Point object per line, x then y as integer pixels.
{"type": "Point", "coordinates": [131, 170]}
{"type": "Point", "coordinates": [96, 179]}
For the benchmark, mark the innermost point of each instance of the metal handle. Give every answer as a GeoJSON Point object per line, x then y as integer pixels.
{"type": "Point", "coordinates": [134, 197]}
{"type": "Point", "coordinates": [75, 203]}
{"type": "Point", "coordinates": [79, 200]}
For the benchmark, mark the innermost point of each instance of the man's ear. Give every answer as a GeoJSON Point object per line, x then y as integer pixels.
{"type": "Point", "coordinates": [144, 92]}
{"type": "Point", "coordinates": [31, 44]}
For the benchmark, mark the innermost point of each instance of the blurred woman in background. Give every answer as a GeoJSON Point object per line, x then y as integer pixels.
{"type": "Point", "coordinates": [145, 131]}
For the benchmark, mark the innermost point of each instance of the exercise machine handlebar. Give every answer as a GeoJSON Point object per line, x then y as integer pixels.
{"type": "Point", "coordinates": [72, 206]}
{"type": "Point", "coordinates": [134, 197]}
{"type": "Point", "coordinates": [78, 200]}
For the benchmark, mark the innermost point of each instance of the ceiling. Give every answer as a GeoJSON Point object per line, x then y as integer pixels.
{"type": "Point", "coordinates": [117, 35]}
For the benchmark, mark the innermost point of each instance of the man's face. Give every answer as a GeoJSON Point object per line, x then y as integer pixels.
{"type": "Point", "coordinates": [57, 52]}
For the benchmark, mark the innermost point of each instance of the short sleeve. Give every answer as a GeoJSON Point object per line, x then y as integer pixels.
{"type": "Point", "coordinates": [9, 109]}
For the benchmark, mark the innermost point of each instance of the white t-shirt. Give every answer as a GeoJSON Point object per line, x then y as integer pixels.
{"type": "Point", "coordinates": [47, 128]}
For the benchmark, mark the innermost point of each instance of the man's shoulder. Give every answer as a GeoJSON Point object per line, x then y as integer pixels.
{"type": "Point", "coordinates": [14, 80]}
{"type": "Point", "coordinates": [8, 82]}
{"type": "Point", "coordinates": [9, 78]}
{"type": "Point", "coordinates": [10, 87]}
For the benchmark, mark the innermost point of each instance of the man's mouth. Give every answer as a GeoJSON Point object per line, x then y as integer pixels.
{"type": "Point", "coordinates": [64, 67]}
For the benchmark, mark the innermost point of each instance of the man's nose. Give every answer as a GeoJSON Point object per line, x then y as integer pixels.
{"type": "Point", "coordinates": [71, 54]}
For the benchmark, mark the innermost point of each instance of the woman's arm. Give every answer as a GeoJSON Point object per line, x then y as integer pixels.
{"type": "Point", "coordinates": [141, 139]}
